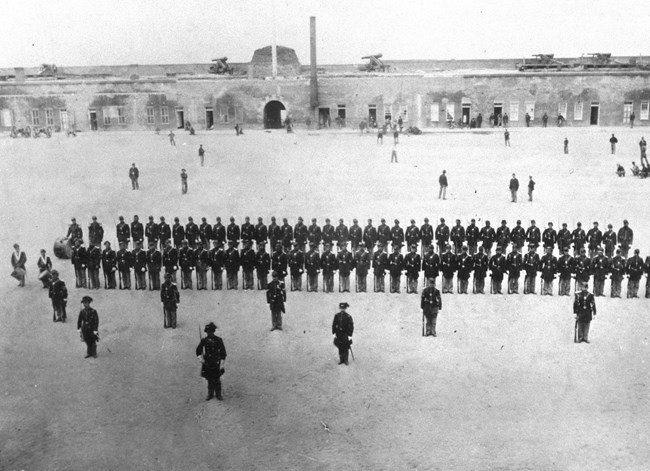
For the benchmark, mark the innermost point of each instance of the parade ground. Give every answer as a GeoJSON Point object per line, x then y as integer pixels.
{"type": "Point", "coordinates": [502, 387]}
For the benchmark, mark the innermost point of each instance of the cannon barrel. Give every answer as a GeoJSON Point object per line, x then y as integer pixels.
{"type": "Point", "coordinates": [220, 59]}
{"type": "Point", "coordinates": [374, 56]}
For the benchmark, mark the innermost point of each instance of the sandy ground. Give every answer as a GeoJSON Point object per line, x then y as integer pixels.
{"type": "Point", "coordinates": [503, 387]}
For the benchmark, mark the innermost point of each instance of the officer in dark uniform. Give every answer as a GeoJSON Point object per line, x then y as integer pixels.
{"type": "Point", "coordinates": [412, 265]}
{"type": "Point", "coordinates": [341, 234]}
{"type": "Point", "coordinates": [426, 236]}
{"type": "Point", "coordinates": [594, 239]}
{"type": "Point", "coordinates": [94, 261]}
{"type": "Point", "coordinates": [247, 260]}
{"type": "Point", "coordinates": [192, 233]}
{"type": "Point", "coordinates": [379, 266]}
{"type": "Point", "coordinates": [164, 232]}
{"type": "Point", "coordinates": [58, 293]}
{"type": "Point", "coordinates": [79, 261]}
{"type": "Point", "coordinates": [217, 263]}
{"type": "Point", "coordinates": [565, 268]}
{"type": "Point", "coordinates": [584, 308]}
{"type": "Point", "coordinates": [170, 297]}
{"type": "Point", "coordinates": [178, 234]}
{"type": "Point", "coordinates": [286, 232]}
{"type": "Point", "coordinates": [276, 296]}
{"type": "Point", "coordinates": [457, 236]}
{"type": "Point", "coordinates": [600, 269]}
{"type": "Point", "coordinates": [329, 266]}
{"type": "Point", "coordinates": [497, 270]}
{"type": "Point", "coordinates": [315, 233]}
{"type": "Point", "coordinates": [582, 269]}
{"type": "Point", "coordinates": [202, 257]}
{"type": "Point", "coordinates": [617, 269]}
{"type": "Point", "coordinates": [481, 264]}
{"type": "Point", "coordinates": [431, 304]}
{"type": "Point", "coordinates": [518, 236]}
{"type": "Point", "coordinates": [88, 325]}
{"type": "Point", "coordinates": [296, 260]}
{"type": "Point", "coordinates": [412, 234]}
{"type": "Point", "coordinates": [342, 329]}
{"type": "Point", "coordinates": [151, 231]}
{"type": "Point", "coordinates": [232, 265]}
{"type": "Point", "coordinates": [514, 265]}
{"type": "Point", "coordinates": [563, 238]}
{"type": "Point", "coordinates": [362, 266]}
{"type": "Point", "coordinates": [549, 237]}
{"type": "Point", "coordinates": [137, 230]}
{"type": "Point", "coordinates": [211, 352]}
{"type": "Point", "coordinates": [262, 266]}
{"type": "Point", "coordinates": [109, 263]}
{"type": "Point", "coordinates": [247, 231]}
{"type": "Point", "coordinates": [139, 258]}
{"type": "Point", "coordinates": [154, 265]}
{"type": "Point", "coordinates": [531, 267]}
{"type": "Point", "coordinates": [279, 261]}
{"type": "Point", "coordinates": [170, 260]}
{"type": "Point", "coordinates": [448, 267]}
{"type": "Point", "coordinates": [186, 261]}
{"type": "Point", "coordinates": [548, 269]}
{"type": "Point", "coordinates": [205, 232]}
{"type": "Point", "coordinates": [261, 233]}
{"type": "Point", "coordinates": [95, 233]}
{"type": "Point", "coordinates": [345, 264]}
{"type": "Point", "coordinates": [74, 232]}
{"type": "Point", "coordinates": [219, 232]}
{"type": "Point", "coordinates": [301, 234]}
{"type": "Point", "coordinates": [123, 232]}
{"type": "Point", "coordinates": [431, 264]}
{"type": "Point", "coordinates": [634, 269]}
{"type": "Point", "coordinates": [383, 234]}
{"type": "Point", "coordinates": [397, 235]}
{"type": "Point", "coordinates": [609, 241]}
{"type": "Point", "coordinates": [275, 234]}
{"type": "Point", "coordinates": [312, 266]}
{"type": "Point", "coordinates": [442, 237]}
{"type": "Point", "coordinates": [370, 237]}
{"type": "Point", "coordinates": [472, 234]}
{"type": "Point", "coordinates": [356, 235]}
{"type": "Point", "coordinates": [625, 238]}
{"type": "Point", "coordinates": [533, 235]}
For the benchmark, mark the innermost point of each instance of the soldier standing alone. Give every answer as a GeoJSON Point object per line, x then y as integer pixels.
{"type": "Point", "coordinates": [431, 303]}
{"type": "Point", "coordinates": [584, 308]}
{"type": "Point", "coordinates": [342, 329]}
{"type": "Point", "coordinates": [276, 296]}
{"type": "Point", "coordinates": [87, 325]}
{"type": "Point", "coordinates": [211, 352]}
{"type": "Point", "coordinates": [170, 298]}
{"type": "Point", "coordinates": [59, 296]}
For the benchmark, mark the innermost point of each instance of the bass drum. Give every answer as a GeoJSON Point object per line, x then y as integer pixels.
{"type": "Point", "coordinates": [62, 248]}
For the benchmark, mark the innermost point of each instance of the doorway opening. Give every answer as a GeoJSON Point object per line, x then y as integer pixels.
{"type": "Point", "coordinates": [273, 115]}
{"type": "Point", "coordinates": [498, 109]}
{"type": "Point", "coordinates": [209, 118]}
{"type": "Point", "coordinates": [324, 119]}
{"type": "Point", "coordinates": [467, 109]}
{"type": "Point", "coordinates": [594, 114]}
{"type": "Point", "coordinates": [93, 119]}
{"type": "Point", "coordinates": [180, 118]}
{"type": "Point", "coordinates": [372, 116]}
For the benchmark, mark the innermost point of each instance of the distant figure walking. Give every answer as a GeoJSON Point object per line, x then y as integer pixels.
{"type": "Point", "coordinates": [134, 174]}
{"type": "Point", "coordinates": [566, 145]}
{"type": "Point", "coordinates": [632, 117]}
{"type": "Point", "coordinates": [514, 187]}
{"type": "Point", "coordinates": [183, 181]}
{"type": "Point", "coordinates": [506, 135]}
{"type": "Point", "coordinates": [443, 185]}
{"type": "Point", "coordinates": [393, 156]}
{"type": "Point", "coordinates": [201, 154]}
{"type": "Point", "coordinates": [171, 138]}
{"type": "Point", "coordinates": [380, 135]}
{"type": "Point", "coordinates": [613, 141]}
{"type": "Point", "coordinates": [531, 188]}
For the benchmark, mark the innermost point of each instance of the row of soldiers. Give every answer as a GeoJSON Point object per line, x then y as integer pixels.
{"type": "Point", "coordinates": [198, 235]}
{"type": "Point", "coordinates": [203, 259]}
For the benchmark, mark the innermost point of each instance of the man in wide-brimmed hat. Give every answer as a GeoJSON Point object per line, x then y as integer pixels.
{"type": "Point", "coordinates": [87, 325]}
{"type": "Point", "coordinates": [211, 352]}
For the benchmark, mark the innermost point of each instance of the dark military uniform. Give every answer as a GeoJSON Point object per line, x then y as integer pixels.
{"type": "Point", "coordinates": [634, 269]}
{"type": "Point", "coordinates": [457, 236]}
{"type": "Point", "coordinates": [362, 266]}
{"type": "Point", "coordinates": [369, 236]}
{"type": "Point", "coordinates": [232, 266]}
{"type": "Point", "coordinates": [426, 236]}
{"type": "Point", "coordinates": [123, 232]}
{"type": "Point", "coordinates": [379, 265]}
{"type": "Point", "coordinates": [328, 265]}
{"type": "Point", "coordinates": [356, 236]}
{"type": "Point", "coordinates": [565, 268]}
{"type": "Point", "coordinates": [487, 237]}
{"type": "Point", "coordinates": [625, 238]}
{"type": "Point", "coordinates": [261, 233]}
{"type": "Point", "coordinates": [276, 296]}
{"type": "Point", "coordinates": [412, 265]}
{"type": "Point", "coordinates": [514, 265]}
{"type": "Point", "coordinates": [412, 234]}
{"type": "Point", "coordinates": [397, 236]}
{"type": "Point", "coordinates": [79, 261]}
{"type": "Point", "coordinates": [342, 329]}
{"type": "Point", "coordinates": [594, 239]}
{"type": "Point", "coordinates": [430, 303]}
{"type": "Point", "coordinates": [584, 307]}
{"type": "Point", "coordinates": [139, 257]}
{"type": "Point", "coordinates": [431, 265]}
{"type": "Point", "coordinates": [95, 233]}
{"type": "Point", "coordinates": [88, 324]}
{"type": "Point", "coordinates": [600, 269]}
{"type": "Point", "coordinates": [213, 351]}
{"type": "Point", "coordinates": [164, 233]}
{"type": "Point", "coordinates": [275, 234]}
{"type": "Point", "coordinates": [170, 261]}
{"type": "Point", "coordinates": [395, 268]}
{"type": "Point", "coordinates": [315, 234]}
{"type": "Point", "coordinates": [217, 263]}
{"type": "Point", "coordinates": [137, 230]}
{"type": "Point", "coordinates": [345, 264]}
{"type": "Point", "coordinates": [58, 293]}
{"type": "Point", "coordinates": [247, 231]}
{"type": "Point", "coordinates": [301, 235]}
{"type": "Point", "coordinates": [564, 238]}
{"type": "Point", "coordinates": [109, 263]}
{"type": "Point", "coordinates": [617, 269]}
{"type": "Point", "coordinates": [94, 261]}
{"type": "Point", "coordinates": [202, 256]}
{"type": "Point", "coordinates": [579, 238]}
{"type": "Point", "coordinates": [219, 232]}
{"type": "Point", "coordinates": [383, 234]}
{"type": "Point", "coordinates": [518, 236]}
{"type": "Point", "coordinates": [531, 267]}
{"type": "Point", "coordinates": [609, 241]}
{"type": "Point", "coordinates": [464, 263]}
{"type": "Point", "coordinates": [646, 267]}
{"type": "Point", "coordinates": [548, 269]}
{"type": "Point", "coordinates": [341, 234]}
{"type": "Point", "coordinates": [497, 267]}
{"type": "Point", "coordinates": [154, 265]}
{"type": "Point", "coordinates": [262, 266]}
{"type": "Point", "coordinates": [312, 266]}
{"type": "Point", "coordinates": [549, 237]}
{"type": "Point", "coordinates": [533, 235]}
{"type": "Point", "coordinates": [286, 232]}
{"type": "Point", "coordinates": [187, 262]}
{"type": "Point", "coordinates": [192, 233]}
{"type": "Point", "coordinates": [205, 232]}
{"type": "Point", "coordinates": [503, 236]}
{"type": "Point", "coordinates": [151, 232]}
{"type": "Point", "coordinates": [170, 298]}
{"type": "Point", "coordinates": [178, 234]}
{"type": "Point", "coordinates": [481, 264]}
{"type": "Point", "coordinates": [442, 237]}
{"type": "Point", "coordinates": [247, 260]}
{"type": "Point", "coordinates": [448, 267]}
{"type": "Point", "coordinates": [296, 259]}
{"type": "Point", "coordinates": [582, 269]}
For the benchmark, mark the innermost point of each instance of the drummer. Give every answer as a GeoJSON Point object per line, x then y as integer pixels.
{"type": "Point", "coordinates": [18, 261]}
{"type": "Point", "coordinates": [44, 269]}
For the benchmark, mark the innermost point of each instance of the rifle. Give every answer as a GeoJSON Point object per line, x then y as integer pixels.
{"type": "Point", "coordinates": [423, 324]}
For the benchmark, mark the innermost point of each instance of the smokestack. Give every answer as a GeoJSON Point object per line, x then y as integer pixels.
{"type": "Point", "coordinates": [313, 82]}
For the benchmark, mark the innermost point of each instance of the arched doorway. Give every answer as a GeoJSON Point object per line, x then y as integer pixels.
{"type": "Point", "coordinates": [273, 115]}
